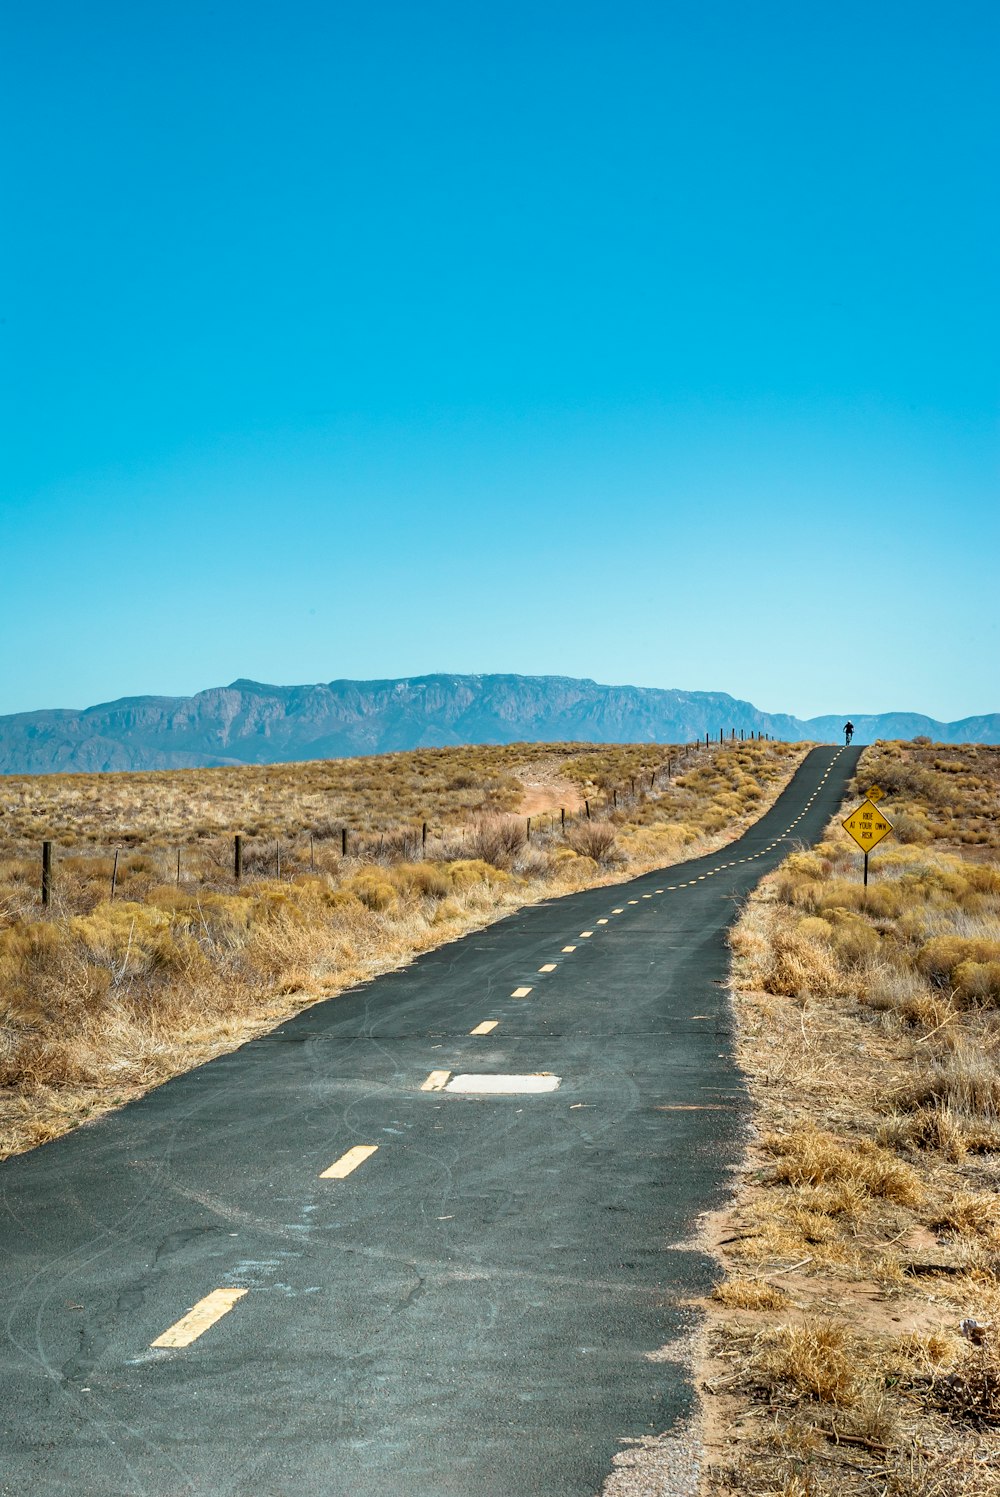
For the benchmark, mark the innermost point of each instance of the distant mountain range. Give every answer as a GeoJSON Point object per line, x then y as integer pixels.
{"type": "Point", "coordinates": [250, 723]}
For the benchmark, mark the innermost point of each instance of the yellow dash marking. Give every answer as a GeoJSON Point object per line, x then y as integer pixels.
{"type": "Point", "coordinates": [658, 891]}
{"type": "Point", "coordinates": [619, 911]}
{"type": "Point", "coordinates": [200, 1318]}
{"type": "Point", "coordinates": [633, 901]}
{"type": "Point", "coordinates": [486, 1027]}
{"type": "Point", "coordinates": [435, 1081]}
{"type": "Point", "coordinates": [520, 992]}
{"type": "Point", "coordinates": [671, 888]}
{"type": "Point", "coordinates": [549, 967]}
{"type": "Point", "coordinates": [585, 933]}
{"type": "Point", "coordinates": [342, 1167]}
{"type": "Point", "coordinates": [647, 896]}
{"type": "Point", "coordinates": [602, 922]}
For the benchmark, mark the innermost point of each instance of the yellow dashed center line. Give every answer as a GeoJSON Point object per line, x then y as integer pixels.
{"type": "Point", "coordinates": [619, 911]}
{"type": "Point", "coordinates": [200, 1318]}
{"type": "Point", "coordinates": [548, 967]}
{"type": "Point", "coordinates": [435, 1082]}
{"type": "Point", "coordinates": [347, 1163]}
{"type": "Point", "coordinates": [602, 922]}
{"type": "Point", "coordinates": [486, 1027]}
{"type": "Point", "coordinates": [520, 992]}
{"type": "Point", "coordinates": [585, 934]}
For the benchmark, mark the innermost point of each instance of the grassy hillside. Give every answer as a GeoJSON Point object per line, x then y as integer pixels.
{"type": "Point", "coordinates": [104, 998]}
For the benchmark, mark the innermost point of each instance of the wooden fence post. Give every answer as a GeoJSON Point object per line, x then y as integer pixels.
{"type": "Point", "coordinates": [529, 828]}
{"type": "Point", "coordinates": [312, 855]}
{"type": "Point", "coordinates": [562, 817]}
{"type": "Point", "coordinates": [114, 873]}
{"type": "Point", "coordinates": [343, 842]}
{"type": "Point", "coordinates": [423, 840]}
{"type": "Point", "coordinates": [277, 858]}
{"type": "Point", "coordinates": [46, 872]}
{"type": "Point", "coordinates": [237, 857]}
{"type": "Point", "coordinates": [586, 806]}
{"type": "Point", "coordinates": [178, 868]}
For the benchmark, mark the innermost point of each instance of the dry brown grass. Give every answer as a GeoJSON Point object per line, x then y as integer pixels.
{"type": "Point", "coordinates": [103, 999]}
{"type": "Point", "coordinates": [869, 1030]}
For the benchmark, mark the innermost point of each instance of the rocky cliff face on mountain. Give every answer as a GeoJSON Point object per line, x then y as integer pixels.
{"type": "Point", "coordinates": [250, 723]}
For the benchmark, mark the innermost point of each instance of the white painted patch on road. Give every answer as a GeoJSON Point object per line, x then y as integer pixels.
{"type": "Point", "coordinates": [503, 1086]}
{"type": "Point", "coordinates": [200, 1318]}
{"type": "Point", "coordinates": [347, 1163]}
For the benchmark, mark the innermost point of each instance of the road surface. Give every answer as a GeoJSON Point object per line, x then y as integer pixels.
{"type": "Point", "coordinates": [398, 1286]}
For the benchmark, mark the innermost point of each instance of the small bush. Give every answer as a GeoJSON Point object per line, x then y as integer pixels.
{"type": "Point", "coordinates": [815, 1361]}
{"type": "Point", "coordinates": [809, 1156]}
{"type": "Point", "coordinates": [749, 1294]}
{"type": "Point", "coordinates": [498, 840]}
{"type": "Point", "coordinates": [594, 839]}
{"type": "Point", "coordinates": [966, 1080]}
{"type": "Point", "coordinates": [939, 957]}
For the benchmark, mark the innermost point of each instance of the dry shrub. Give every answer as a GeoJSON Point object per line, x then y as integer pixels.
{"type": "Point", "coordinates": [374, 890]}
{"type": "Point", "coordinates": [964, 1079]}
{"type": "Point", "coordinates": [969, 1213]}
{"type": "Point", "coordinates": [800, 963]}
{"type": "Point", "coordinates": [970, 1395]}
{"type": "Point", "coordinates": [498, 840]}
{"type": "Point", "coordinates": [741, 1293]}
{"type": "Point", "coordinates": [936, 1128]}
{"type": "Point", "coordinates": [940, 957]}
{"type": "Point", "coordinates": [977, 982]}
{"type": "Point", "coordinates": [810, 1156]}
{"type": "Point", "coordinates": [814, 1360]}
{"type": "Point", "coordinates": [594, 839]}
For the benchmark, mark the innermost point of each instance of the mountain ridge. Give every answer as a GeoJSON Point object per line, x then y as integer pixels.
{"type": "Point", "coordinates": [255, 722]}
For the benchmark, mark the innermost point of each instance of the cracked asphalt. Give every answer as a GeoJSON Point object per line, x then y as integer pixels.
{"type": "Point", "coordinates": [475, 1302]}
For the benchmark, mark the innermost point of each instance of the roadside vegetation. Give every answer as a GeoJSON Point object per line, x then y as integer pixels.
{"type": "Point", "coordinates": [102, 998]}
{"type": "Point", "coordinates": [854, 1343]}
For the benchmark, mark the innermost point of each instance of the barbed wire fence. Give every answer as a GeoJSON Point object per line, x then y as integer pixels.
{"type": "Point", "coordinates": [327, 846]}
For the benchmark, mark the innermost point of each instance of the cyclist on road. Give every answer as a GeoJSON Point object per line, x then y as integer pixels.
{"type": "Point", "coordinates": [848, 731]}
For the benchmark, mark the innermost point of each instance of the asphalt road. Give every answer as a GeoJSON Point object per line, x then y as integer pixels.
{"type": "Point", "coordinates": [470, 1310]}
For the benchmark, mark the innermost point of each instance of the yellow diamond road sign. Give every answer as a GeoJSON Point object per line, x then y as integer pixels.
{"type": "Point", "coordinates": [875, 794]}
{"type": "Point", "coordinates": [867, 825]}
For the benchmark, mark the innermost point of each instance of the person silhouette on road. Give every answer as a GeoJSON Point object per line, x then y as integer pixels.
{"type": "Point", "coordinates": [848, 731]}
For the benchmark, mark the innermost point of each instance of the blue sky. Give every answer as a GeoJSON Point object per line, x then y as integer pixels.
{"type": "Point", "coordinates": [648, 342]}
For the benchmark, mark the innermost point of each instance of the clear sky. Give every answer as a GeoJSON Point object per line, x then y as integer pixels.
{"type": "Point", "coordinates": [652, 342]}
